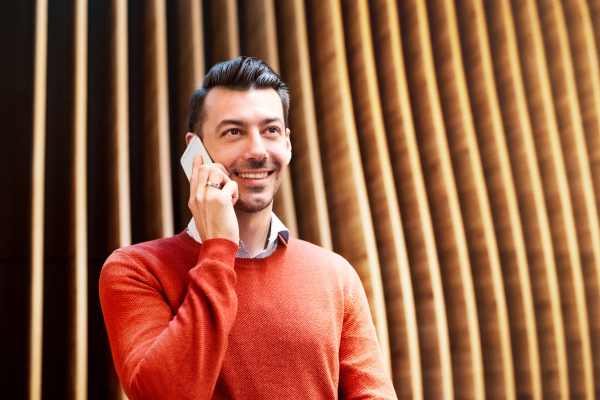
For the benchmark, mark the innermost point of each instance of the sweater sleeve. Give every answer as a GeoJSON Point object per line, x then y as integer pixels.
{"type": "Point", "coordinates": [362, 371]}
{"type": "Point", "coordinates": [159, 355]}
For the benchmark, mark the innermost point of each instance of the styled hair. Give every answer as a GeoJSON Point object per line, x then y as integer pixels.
{"type": "Point", "coordinates": [241, 73]}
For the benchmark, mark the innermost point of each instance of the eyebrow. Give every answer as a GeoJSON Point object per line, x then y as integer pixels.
{"type": "Point", "coordinates": [236, 122]}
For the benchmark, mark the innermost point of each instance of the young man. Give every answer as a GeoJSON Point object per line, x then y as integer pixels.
{"type": "Point", "coordinates": [234, 307]}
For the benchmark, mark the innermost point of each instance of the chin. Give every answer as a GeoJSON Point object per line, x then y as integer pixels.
{"type": "Point", "coordinates": [254, 205]}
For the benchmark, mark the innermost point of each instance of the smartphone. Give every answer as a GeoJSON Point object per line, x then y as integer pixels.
{"type": "Point", "coordinates": [187, 159]}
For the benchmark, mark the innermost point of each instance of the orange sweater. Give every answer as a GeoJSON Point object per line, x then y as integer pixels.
{"type": "Point", "coordinates": [187, 320]}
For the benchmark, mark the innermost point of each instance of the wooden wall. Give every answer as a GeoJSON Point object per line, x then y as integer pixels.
{"type": "Point", "coordinates": [450, 150]}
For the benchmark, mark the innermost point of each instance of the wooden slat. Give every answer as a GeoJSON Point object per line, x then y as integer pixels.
{"type": "Point", "coordinates": [393, 259]}
{"type": "Point", "coordinates": [305, 167]}
{"type": "Point", "coordinates": [587, 78]}
{"type": "Point", "coordinates": [529, 190]}
{"type": "Point", "coordinates": [416, 218]}
{"type": "Point", "coordinates": [225, 32]}
{"type": "Point", "coordinates": [157, 166]}
{"type": "Point", "coordinates": [556, 191]}
{"type": "Point", "coordinates": [120, 123]}
{"type": "Point", "coordinates": [78, 361]}
{"type": "Point", "coordinates": [352, 228]}
{"type": "Point", "coordinates": [474, 202]}
{"type": "Point", "coordinates": [119, 102]}
{"type": "Point", "coordinates": [586, 218]}
{"type": "Point", "coordinates": [37, 203]}
{"type": "Point", "coordinates": [503, 199]}
{"type": "Point", "coordinates": [190, 71]}
{"type": "Point", "coordinates": [261, 42]}
{"type": "Point", "coordinates": [465, 342]}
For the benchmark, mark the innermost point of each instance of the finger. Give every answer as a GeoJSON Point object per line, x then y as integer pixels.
{"type": "Point", "coordinates": [217, 176]}
{"type": "Point", "coordinates": [199, 174]}
{"type": "Point", "coordinates": [194, 176]}
{"type": "Point", "coordinates": [231, 189]}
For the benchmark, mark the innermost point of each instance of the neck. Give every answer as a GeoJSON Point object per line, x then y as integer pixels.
{"type": "Point", "coordinates": [254, 229]}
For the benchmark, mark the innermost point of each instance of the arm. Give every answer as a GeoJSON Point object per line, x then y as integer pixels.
{"type": "Point", "coordinates": [362, 370]}
{"type": "Point", "coordinates": [158, 354]}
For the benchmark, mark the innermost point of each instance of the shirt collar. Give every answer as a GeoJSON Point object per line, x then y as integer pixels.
{"type": "Point", "coordinates": [277, 229]}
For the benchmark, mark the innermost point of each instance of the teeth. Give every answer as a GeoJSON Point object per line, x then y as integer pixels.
{"type": "Point", "coordinates": [254, 176]}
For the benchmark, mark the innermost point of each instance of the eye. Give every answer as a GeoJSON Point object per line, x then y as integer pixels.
{"type": "Point", "coordinates": [232, 132]}
{"type": "Point", "coordinates": [273, 130]}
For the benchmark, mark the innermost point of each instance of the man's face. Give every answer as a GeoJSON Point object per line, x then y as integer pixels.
{"type": "Point", "coordinates": [245, 131]}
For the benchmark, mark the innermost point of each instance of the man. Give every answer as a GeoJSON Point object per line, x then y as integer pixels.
{"type": "Point", "coordinates": [234, 307]}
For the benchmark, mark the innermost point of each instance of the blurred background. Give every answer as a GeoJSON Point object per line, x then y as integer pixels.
{"type": "Point", "coordinates": [450, 150]}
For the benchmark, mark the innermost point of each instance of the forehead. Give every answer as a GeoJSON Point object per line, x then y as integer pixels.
{"type": "Point", "coordinates": [222, 103]}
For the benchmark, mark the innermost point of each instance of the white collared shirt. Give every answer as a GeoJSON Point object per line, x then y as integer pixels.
{"type": "Point", "coordinates": [277, 228]}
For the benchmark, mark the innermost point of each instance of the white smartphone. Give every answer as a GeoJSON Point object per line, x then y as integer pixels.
{"type": "Point", "coordinates": [187, 159]}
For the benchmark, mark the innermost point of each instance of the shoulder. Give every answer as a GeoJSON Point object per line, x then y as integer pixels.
{"type": "Point", "coordinates": [309, 254]}
{"type": "Point", "coordinates": [149, 258]}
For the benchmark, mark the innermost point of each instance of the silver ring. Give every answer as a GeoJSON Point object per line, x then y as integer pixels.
{"type": "Point", "coordinates": [217, 185]}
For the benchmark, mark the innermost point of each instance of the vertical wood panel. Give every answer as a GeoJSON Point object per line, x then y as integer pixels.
{"type": "Point", "coordinates": [587, 79]}
{"type": "Point", "coordinates": [352, 229]}
{"type": "Point", "coordinates": [120, 123]}
{"type": "Point", "coordinates": [420, 241]}
{"type": "Point", "coordinates": [260, 37]}
{"type": "Point", "coordinates": [37, 203]}
{"type": "Point", "coordinates": [465, 342]}
{"type": "Point", "coordinates": [224, 32]}
{"type": "Point", "coordinates": [585, 214]}
{"type": "Point", "coordinates": [528, 184]}
{"type": "Point", "coordinates": [305, 167]}
{"type": "Point", "coordinates": [402, 324]}
{"type": "Point", "coordinates": [157, 166]}
{"type": "Point", "coordinates": [190, 72]}
{"type": "Point", "coordinates": [503, 200]}
{"type": "Point", "coordinates": [121, 199]}
{"type": "Point", "coordinates": [474, 202]}
{"type": "Point", "coordinates": [556, 191]}
{"type": "Point", "coordinates": [79, 300]}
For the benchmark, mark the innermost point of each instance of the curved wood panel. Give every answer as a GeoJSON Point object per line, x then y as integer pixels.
{"type": "Point", "coordinates": [190, 71]}
{"type": "Point", "coordinates": [352, 228]}
{"type": "Point", "coordinates": [157, 165]}
{"type": "Point", "coordinates": [531, 202]}
{"type": "Point", "coordinates": [37, 202]}
{"type": "Point", "coordinates": [261, 42]}
{"type": "Point", "coordinates": [402, 322]}
{"type": "Point", "coordinates": [503, 199]}
{"type": "Point", "coordinates": [529, 190]}
{"type": "Point", "coordinates": [224, 32]}
{"type": "Point", "coordinates": [587, 78]}
{"type": "Point", "coordinates": [474, 202]}
{"type": "Point", "coordinates": [305, 167]}
{"type": "Point", "coordinates": [556, 191]}
{"type": "Point", "coordinates": [79, 283]}
{"type": "Point", "coordinates": [465, 342]}
{"type": "Point", "coordinates": [412, 197]}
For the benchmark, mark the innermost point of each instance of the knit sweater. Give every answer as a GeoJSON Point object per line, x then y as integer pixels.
{"type": "Point", "coordinates": [189, 320]}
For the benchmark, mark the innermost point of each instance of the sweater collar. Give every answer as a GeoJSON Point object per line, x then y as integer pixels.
{"type": "Point", "coordinates": [277, 229]}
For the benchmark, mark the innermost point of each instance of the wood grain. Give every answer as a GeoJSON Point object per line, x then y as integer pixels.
{"type": "Point", "coordinates": [350, 216]}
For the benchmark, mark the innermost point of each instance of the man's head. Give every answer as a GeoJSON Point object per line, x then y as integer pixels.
{"type": "Point", "coordinates": [241, 74]}
{"type": "Point", "coordinates": [241, 116]}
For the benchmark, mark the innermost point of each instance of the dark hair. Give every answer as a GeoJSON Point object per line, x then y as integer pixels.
{"type": "Point", "coordinates": [241, 73]}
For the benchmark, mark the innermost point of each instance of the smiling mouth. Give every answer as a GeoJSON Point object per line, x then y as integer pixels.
{"type": "Point", "coordinates": [261, 175]}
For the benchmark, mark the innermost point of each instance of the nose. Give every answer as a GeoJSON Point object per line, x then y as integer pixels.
{"type": "Point", "coordinates": [256, 149]}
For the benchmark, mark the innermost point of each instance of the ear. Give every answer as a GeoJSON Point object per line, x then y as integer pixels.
{"type": "Point", "coordinates": [188, 137]}
{"type": "Point", "coordinates": [289, 146]}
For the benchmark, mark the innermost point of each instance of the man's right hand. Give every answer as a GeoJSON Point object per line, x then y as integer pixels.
{"type": "Point", "coordinates": [212, 207]}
